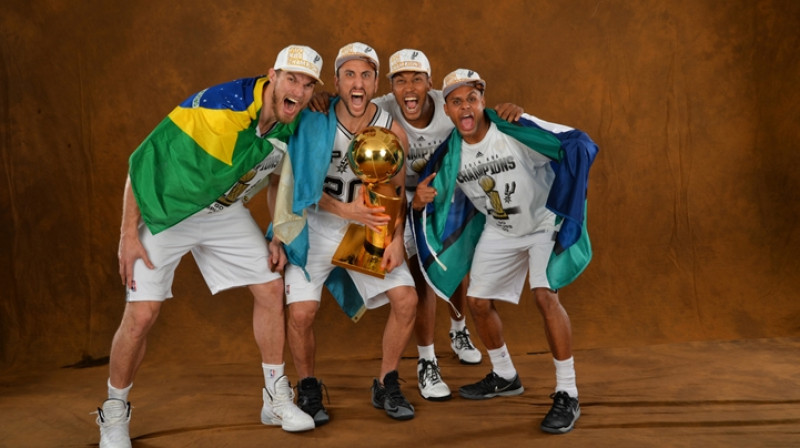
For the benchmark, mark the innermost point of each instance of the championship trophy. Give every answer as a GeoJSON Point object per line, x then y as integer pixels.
{"type": "Point", "coordinates": [375, 155]}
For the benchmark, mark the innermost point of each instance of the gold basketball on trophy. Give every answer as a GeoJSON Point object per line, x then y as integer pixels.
{"type": "Point", "coordinates": [375, 155]}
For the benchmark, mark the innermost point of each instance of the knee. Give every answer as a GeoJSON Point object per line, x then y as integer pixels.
{"type": "Point", "coordinates": [404, 301]}
{"type": "Point", "coordinates": [302, 314]}
{"type": "Point", "coordinates": [268, 294]}
{"type": "Point", "coordinates": [139, 317]}
{"type": "Point", "coordinates": [546, 300]}
{"type": "Point", "coordinates": [479, 307]}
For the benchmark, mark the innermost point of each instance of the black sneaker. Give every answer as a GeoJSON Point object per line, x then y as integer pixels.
{"type": "Point", "coordinates": [309, 399]}
{"type": "Point", "coordinates": [562, 415]}
{"type": "Point", "coordinates": [492, 386]}
{"type": "Point", "coordinates": [389, 397]}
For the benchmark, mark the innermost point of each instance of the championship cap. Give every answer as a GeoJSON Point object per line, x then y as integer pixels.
{"type": "Point", "coordinates": [300, 59]}
{"type": "Point", "coordinates": [356, 50]}
{"type": "Point", "coordinates": [462, 77]}
{"type": "Point", "coordinates": [408, 60]}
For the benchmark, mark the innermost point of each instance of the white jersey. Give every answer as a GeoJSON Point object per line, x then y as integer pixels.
{"type": "Point", "coordinates": [253, 181]}
{"type": "Point", "coordinates": [422, 142]}
{"type": "Point", "coordinates": [340, 181]}
{"type": "Point", "coordinates": [508, 182]}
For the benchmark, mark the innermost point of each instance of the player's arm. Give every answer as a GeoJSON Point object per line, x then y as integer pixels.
{"type": "Point", "coordinates": [357, 210]}
{"type": "Point", "coordinates": [130, 247]}
{"type": "Point", "coordinates": [395, 253]}
{"type": "Point", "coordinates": [277, 255]}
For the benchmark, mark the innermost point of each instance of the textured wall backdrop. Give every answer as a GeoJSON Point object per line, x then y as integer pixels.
{"type": "Point", "coordinates": [693, 198]}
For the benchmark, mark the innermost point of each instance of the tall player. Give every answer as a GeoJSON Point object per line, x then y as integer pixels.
{"type": "Point", "coordinates": [185, 191]}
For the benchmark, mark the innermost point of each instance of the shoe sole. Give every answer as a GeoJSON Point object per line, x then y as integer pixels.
{"type": "Point", "coordinates": [562, 430]}
{"type": "Point", "coordinates": [432, 398]}
{"type": "Point", "coordinates": [397, 416]}
{"type": "Point", "coordinates": [468, 363]}
{"type": "Point", "coordinates": [505, 393]}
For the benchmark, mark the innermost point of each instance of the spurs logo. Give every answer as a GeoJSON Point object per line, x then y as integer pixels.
{"type": "Point", "coordinates": [510, 189]}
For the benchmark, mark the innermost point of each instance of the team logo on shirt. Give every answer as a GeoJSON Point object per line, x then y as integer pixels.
{"type": "Point", "coordinates": [488, 184]}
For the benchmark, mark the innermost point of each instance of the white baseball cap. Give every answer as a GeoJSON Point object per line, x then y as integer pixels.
{"type": "Point", "coordinates": [408, 60]}
{"type": "Point", "coordinates": [462, 77]}
{"type": "Point", "coordinates": [300, 59]}
{"type": "Point", "coordinates": [356, 50]}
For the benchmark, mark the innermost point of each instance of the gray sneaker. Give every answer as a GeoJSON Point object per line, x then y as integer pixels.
{"type": "Point", "coordinates": [114, 418]}
{"type": "Point", "coordinates": [562, 415]}
{"type": "Point", "coordinates": [389, 397]}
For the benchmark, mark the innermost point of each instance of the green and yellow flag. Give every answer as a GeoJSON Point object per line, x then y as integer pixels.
{"type": "Point", "coordinates": [200, 150]}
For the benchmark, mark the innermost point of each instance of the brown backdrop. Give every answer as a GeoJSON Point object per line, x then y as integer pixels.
{"type": "Point", "coordinates": [693, 197]}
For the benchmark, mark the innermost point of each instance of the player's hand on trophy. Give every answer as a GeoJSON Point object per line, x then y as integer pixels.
{"type": "Point", "coordinates": [130, 250]}
{"type": "Point", "coordinates": [424, 193]}
{"type": "Point", "coordinates": [367, 214]}
{"type": "Point", "coordinates": [320, 102]}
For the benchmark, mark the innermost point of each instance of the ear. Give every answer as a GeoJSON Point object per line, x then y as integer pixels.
{"type": "Point", "coordinates": [272, 75]}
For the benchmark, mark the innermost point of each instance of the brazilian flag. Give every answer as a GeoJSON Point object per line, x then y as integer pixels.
{"type": "Point", "coordinates": [200, 150]}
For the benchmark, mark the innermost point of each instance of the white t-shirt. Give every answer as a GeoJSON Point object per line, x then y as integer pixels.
{"type": "Point", "coordinates": [508, 182]}
{"type": "Point", "coordinates": [253, 181]}
{"type": "Point", "coordinates": [421, 142]}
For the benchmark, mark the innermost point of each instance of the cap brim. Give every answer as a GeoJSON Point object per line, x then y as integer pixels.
{"type": "Point", "coordinates": [452, 87]}
{"type": "Point", "coordinates": [416, 70]}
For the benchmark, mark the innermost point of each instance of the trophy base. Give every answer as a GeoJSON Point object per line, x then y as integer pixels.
{"type": "Point", "coordinates": [352, 255]}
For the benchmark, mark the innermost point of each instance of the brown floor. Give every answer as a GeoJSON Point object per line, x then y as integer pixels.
{"type": "Point", "coordinates": [726, 393]}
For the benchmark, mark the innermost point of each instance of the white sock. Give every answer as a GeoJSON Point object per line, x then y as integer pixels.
{"type": "Point", "coordinates": [271, 373]}
{"type": "Point", "coordinates": [122, 394]}
{"type": "Point", "coordinates": [457, 325]}
{"type": "Point", "coordinates": [502, 364]}
{"type": "Point", "coordinates": [426, 352]}
{"type": "Point", "coordinates": [565, 376]}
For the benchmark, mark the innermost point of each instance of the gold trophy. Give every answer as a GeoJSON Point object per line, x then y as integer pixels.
{"type": "Point", "coordinates": [375, 155]}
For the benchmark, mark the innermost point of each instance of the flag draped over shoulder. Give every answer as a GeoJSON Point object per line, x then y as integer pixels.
{"type": "Point", "coordinates": [310, 154]}
{"type": "Point", "coordinates": [448, 230]}
{"type": "Point", "coordinates": [199, 150]}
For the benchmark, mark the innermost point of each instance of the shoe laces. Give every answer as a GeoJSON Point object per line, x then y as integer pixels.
{"type": "Point", "coordinates": [393, 393]}
{"type": "Point", "coordinates": [462, 341]}
{"type": "Point", "coordinates": [119, 414]}
{"type": "Point", "coordinates": [312, 396]}
{"type": "Point", "coordinates": [561, 404]}
{"type": "Point", "coordinates": [430, 371]}
{"type": "Point", "coordinates": [283, 393]}
{"type": "Point", "coordinates": [491, 381]}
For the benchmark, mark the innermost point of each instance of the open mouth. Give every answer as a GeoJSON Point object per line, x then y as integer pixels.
{"type": "Point", "coordinates": [467, 122]}
{"type": "Point", "coordinates": [411, 103]}
{"type": "Point", "coordinates": [290, 105]}
{"type": "Point", "coordinates": [357, 98]}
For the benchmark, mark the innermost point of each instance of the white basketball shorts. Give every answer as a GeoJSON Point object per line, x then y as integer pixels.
{"type": "Point", "coordinates": [501, 263]}
{"type": "Point", "coordinates": [322, 247]}
{"type": "Point", "coordinates": [228, 247]}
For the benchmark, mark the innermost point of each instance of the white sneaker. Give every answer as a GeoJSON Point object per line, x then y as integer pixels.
{"type": "Point", "coordinates": [431, 386]}
{"type": "Point", "coordinates": [462, 345]}
{"type": "Point", "coordinates": [113, 418]}
{"type": "Point", "coordinates": [279, 408]}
